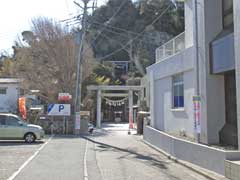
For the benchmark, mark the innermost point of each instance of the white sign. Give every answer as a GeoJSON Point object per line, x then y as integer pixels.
{"type": "Point", "coordinates": [59, 109]}
{"type": "Point", "coordinates": [77, 121]}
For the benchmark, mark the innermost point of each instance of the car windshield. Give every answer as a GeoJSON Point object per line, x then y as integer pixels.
{"type": "Point", "coordinates": [21, 120]}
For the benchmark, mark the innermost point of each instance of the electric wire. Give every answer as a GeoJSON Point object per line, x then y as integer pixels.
{"type": "Point", "coordinates": [137, 36]}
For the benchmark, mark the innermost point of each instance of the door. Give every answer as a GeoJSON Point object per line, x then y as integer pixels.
{"type": "Point", "coordinates": [2, 126]}
{"type": "Point", "coordinates": [14, 130]}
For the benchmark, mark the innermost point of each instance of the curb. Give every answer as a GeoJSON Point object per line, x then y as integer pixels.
{"type": "Point", "coordinates": [187, 165]}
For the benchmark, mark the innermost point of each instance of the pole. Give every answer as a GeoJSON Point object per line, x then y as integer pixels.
{"type": "Point", "coordinates": [197, 81]}
{"type": "Point", "coordinates": [99, 103]}
{"type": "Point", "coordinates": [79, 64]}
{"type": "Point", "coordinates": [130, 116]}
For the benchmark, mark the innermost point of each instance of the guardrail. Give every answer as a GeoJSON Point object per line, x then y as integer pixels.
{"type": "Point", "coordinates": [170, 48]}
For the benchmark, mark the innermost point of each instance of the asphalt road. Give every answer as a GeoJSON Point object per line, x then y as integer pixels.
{"type": "Point", "coordinates": [13, 154]}
{"type": "Point", "coordinates": [109, 154]}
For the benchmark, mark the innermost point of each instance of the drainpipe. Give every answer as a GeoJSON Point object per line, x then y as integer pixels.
{"type": "Point", "coordinates": [197, 80]}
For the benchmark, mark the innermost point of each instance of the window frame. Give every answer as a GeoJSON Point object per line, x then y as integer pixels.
{"type": "Point", "coordinates": [176, 84]}
{"type": "Point", "coordinates": [3, 89]}
{"type": "Point", "coordinates": [12, 117]}
{"type": "Point", "coordinates": [3, 120]}
{"type": "Point", "coordinates": [225, 14]}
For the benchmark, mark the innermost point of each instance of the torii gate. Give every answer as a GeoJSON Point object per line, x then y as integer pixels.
{"type": "Point", "coordinates": [101, 88]}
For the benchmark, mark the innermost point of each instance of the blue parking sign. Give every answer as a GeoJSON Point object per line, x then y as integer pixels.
{"type": "Point", "coordinates": [59, 109]}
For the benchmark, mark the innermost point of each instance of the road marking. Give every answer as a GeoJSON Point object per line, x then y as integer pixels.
{"type": "Point", "coordinates": [85, 162]}
{"type": "Point", "coordinates": [14, 175]}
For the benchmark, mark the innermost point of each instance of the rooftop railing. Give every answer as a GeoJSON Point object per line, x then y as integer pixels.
{"type": "Point", "coordinates": [171, 48]}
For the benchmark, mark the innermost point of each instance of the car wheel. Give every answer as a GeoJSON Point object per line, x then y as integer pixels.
{"type": "Point", "coordinates": [29, 138]}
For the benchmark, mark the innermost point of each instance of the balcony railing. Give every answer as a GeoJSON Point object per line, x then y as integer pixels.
{"type": "Point", "coordinates": [170, 48]}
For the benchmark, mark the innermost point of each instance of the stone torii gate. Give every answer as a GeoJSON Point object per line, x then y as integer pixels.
{"type": "Point", "coordinates": [101, 88]}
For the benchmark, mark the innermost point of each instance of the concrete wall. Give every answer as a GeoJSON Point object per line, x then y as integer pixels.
{"type": "Point", "coordinates": [164, 117]}
{"type": "Point", "coordinates": [188, 14]}
{"type": "Point", "coordinates": [236, 5]}
{"type": "Point", "coordinates": [9, 101]}
{"type": "Point", "coordinates": [211, 86]}
{"type": "Point", "coordinates": [167, 118]}
{"type": "Point", "coordinates": [210, 158]}
{"type": "Point", "coordinates": [178, 63]}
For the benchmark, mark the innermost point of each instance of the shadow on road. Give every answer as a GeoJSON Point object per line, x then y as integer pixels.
{"type": "Point", "coordinates": [148, 159]}
{"type": "Point", "coordinates": [18, 143]}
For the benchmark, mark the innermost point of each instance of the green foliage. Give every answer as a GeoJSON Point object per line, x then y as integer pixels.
{"type": "Point", "coordinates": [134, 22]}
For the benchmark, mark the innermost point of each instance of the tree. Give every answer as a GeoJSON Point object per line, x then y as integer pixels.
{"type": "Point", "coordinates": [137, 30]}
{"type": "Point", "coordinates": [46, 59]}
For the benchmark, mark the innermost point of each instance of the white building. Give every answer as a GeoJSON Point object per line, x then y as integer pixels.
{"type": "Point", "coordinates": [172, 82]}
{"type": "Point", "coordinates": [9, 94]}
{"type": "Point", "coordinates": [173, 85]}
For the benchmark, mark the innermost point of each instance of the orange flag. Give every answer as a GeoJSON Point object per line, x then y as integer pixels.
{"type": "Point", "coordinates": [22, 107]}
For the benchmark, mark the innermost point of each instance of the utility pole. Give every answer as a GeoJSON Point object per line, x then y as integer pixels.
{"type": "Point", "coordinates": [197, 98]}
{"type": "Point", "coordinates": [79, 66]}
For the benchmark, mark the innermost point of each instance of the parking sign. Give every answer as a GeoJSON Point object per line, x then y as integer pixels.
{"type": "Point", "coordinates": [59, 109]}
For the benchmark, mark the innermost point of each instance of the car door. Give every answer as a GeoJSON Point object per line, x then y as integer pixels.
{"type": "Point", "coordinates": [14, 130]}
{"type": "Point", "coordinates": [2, 126]}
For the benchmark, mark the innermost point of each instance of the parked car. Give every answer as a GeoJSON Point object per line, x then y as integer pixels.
{"type": "Point", "coordinates": [13, 127]}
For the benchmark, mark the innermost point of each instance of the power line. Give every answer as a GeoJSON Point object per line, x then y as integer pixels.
{"type": "Point", "coordinates": [119, 8]}
{"type": "Point", "coordinates": [136, 37]}
{"type": "Point", "coordinates": [121, 29]}
{"type": "Point", "coordinates": [126, 36]}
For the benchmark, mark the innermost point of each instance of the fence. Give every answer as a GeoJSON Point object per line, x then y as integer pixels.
{"type": "Point", "coordinates": [170, 48]}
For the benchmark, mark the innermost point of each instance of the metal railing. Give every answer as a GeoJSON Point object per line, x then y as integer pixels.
{"type": "Point", "coordinates": [170, 48]}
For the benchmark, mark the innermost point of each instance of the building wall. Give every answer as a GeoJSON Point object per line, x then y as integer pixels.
{"type": "Point", "coordinates": [211, 86]}
{"type": "Point", "coordinates": [169, 119]}
{"type": "Point", "coordinates": [163, 117]}
{"type": "Point", "coordinates": [236, 6]}
{"type": "Point", "coordinates": [9, 101]}
{"type": "Point", "coordinates": [188, 13]}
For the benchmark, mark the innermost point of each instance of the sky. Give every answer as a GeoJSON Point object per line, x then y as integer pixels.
{"type": "Point", "coordinates": [16, 15]}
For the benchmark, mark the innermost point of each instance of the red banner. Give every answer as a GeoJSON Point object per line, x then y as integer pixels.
{"type": "Point", "coordinates": [22, 107]}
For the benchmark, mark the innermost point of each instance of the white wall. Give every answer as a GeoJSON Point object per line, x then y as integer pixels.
{"type": "Point", "coordinates": [163, 117]}
{"type": "Point", "coordinates": [188, 15]}
{"type": "Point", "coordinates": [211, 86]}
{"type": "Point", "coordinates": [236, 4]}
{"type": "Point", "coordinates": [9, 101]}
{"type": "Point", "coordinates": [171, 120]}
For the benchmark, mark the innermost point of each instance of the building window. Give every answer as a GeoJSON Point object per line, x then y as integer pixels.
{"type": "Point", "coordinates": [178, 91]}
{"type": "Point", "coordinates": [3, 90]}
{"type": "Point", "coordinates": [144, 92]}
{"type": "Point", "coordinates": [227, 13]}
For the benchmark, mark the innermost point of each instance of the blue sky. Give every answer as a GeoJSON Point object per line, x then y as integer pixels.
{"type": "Point", "coordinates": [15, 16]}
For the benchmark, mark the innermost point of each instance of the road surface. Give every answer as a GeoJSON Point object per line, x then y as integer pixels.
{"type": "Point", "coordinates": [108, 154]}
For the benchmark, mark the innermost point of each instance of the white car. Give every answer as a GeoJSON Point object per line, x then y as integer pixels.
{"type": "Point", "coordinates": [12, 127]}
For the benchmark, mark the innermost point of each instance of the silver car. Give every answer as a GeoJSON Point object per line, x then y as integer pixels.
{"type": "Point", "coordinates": [12, 127]}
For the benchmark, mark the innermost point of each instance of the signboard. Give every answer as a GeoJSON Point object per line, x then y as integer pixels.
{"type": "Point", "coordinates": [197, 110]}
{"type": "Point", "coordinates": [64, 96]}
{"type": "Point", "coordinates": [77, 120]}
{"type": "Point", "coordinates": [59, 109]}
{"type": "Point", "coordinates": [85, 113]}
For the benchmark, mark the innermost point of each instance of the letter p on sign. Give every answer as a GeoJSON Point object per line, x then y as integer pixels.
{"type": "Point", "coordinates": [60, 108]}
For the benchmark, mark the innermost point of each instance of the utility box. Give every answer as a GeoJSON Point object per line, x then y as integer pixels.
{"type": "Point", "coordinates": [85, 116]}
{"type": "Point", "coordinates": [140, 121]}
{"type": "Point", "coordinates": [84, 125]}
